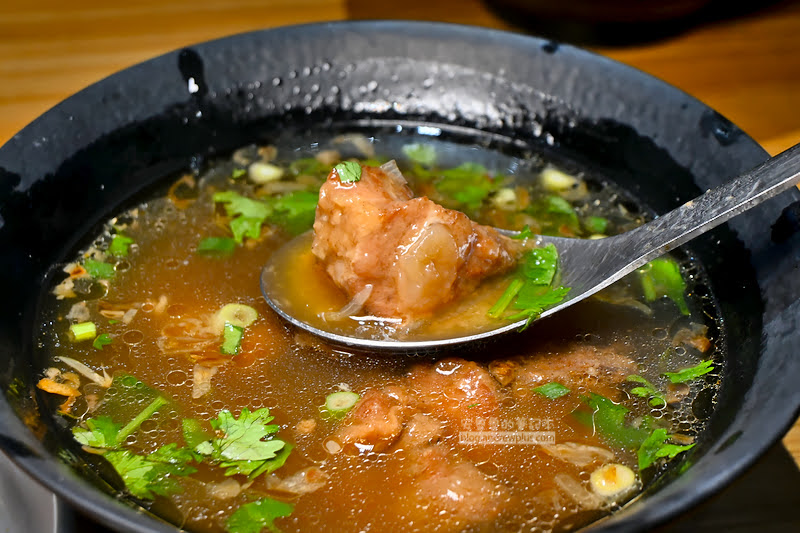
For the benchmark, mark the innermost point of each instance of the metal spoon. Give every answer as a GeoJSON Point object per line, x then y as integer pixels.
{"type": "Point", "coordinates": [588, 266]}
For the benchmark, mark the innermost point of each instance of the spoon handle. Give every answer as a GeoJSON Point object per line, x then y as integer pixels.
{"type": "Point", "coordinates": [719, 204]}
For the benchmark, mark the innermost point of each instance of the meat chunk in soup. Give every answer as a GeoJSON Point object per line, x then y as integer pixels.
{"type": "Point", "coordinates": [420, 430]}
{"type": "Point", "coordinates": [440, 486]}
{"type": "Point", "coordinates": [414, 254]}
{"type": "Point", "coordinates": [574, 365]}
{"type": "Point", "coordinates": [375, 422]}
{"type": "Point", "coordinates": [456, 390]}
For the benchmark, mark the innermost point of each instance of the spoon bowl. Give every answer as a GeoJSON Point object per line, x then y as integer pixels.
{"type": "Point", "coordinates": [588, 266]}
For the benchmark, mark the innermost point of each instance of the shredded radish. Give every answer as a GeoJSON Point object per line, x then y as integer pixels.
{"type": "Point", "coordinates": [578, 454]}
{"type": "Point", "coordinates": [391, 170]}
{"type": "Point", "coordinates": [573, 489]}
{"type": "Point", "coordinates": [201, 384]}
{"type": "Point", "coordinates": [352, 307]}
{"type": "Point", "coordinates": [103, 381]}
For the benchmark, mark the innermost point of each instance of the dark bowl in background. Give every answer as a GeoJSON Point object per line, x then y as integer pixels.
{"type": "Point", "coordinates": [619, 22]}
{"type": "Point", "coordinates": [87, 157]}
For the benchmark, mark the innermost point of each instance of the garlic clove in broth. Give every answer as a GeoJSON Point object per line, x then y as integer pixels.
{"type": "Point", "coordinates": [613, 481]}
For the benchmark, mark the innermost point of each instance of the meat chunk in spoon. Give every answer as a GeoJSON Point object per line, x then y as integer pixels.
{"type": "Point", "coordinates": [411, 255]}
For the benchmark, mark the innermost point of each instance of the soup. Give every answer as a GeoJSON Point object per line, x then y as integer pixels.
{"type": "Point", "coordinates": [217, 416]}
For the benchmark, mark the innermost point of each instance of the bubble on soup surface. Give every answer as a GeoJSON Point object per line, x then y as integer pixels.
{"type": "Point", "coordinates": [177, 378]}
{"type": "Point", "coordinates": [660, 333]}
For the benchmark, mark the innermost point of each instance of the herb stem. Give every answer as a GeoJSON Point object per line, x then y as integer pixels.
{"type": "Point", "coordinates": [134, 424]}
{"type": "Point", "coordinates": [505, 300]}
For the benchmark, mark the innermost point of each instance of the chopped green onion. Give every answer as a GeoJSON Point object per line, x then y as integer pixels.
{"type": "Point", "coordinates": [552, 390]}
{"type": "Point", "coordinates": [338, 403]}
{"type": "Point", "coordinates": [688, 374]}
{"type": "Point", "coordinates": [231, 339]}
{"type": "Point", "coordinates": [238, 173]}
{"type": "Point", "coordinates": [104, 339]}
{"type": "Point", "coordinates": [119, 245]}
{"type": "Point", "coordinates": [348, 171]}
{"type": "Point", "coordinates": [98, 269]}
{"type": "Point", "coordinates": [238, 315]}
{"type": "Point", "coordinates": [83, 331]}
{"type": "Point", "coordinates": [216, 246]}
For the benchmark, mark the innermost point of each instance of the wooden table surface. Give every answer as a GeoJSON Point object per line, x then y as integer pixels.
{"type": "Point", "coordinates": [746, 67]}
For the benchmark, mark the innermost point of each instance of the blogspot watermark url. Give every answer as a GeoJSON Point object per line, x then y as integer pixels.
{"type": "Point", "coordinates": [517, 431]}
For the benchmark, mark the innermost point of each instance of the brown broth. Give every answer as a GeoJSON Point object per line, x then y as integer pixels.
{"type": "Point", "coordinates": [176, 291]}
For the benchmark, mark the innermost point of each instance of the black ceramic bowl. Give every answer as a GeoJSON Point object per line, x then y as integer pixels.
{"type": "Point", "coordinates": [86, 157]}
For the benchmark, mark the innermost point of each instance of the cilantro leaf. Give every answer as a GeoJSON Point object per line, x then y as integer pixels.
{"type": "Point", "coordinates": [524, 233]}
{"type": "Point", "coordinates": [216, 246]}
{"type": "Point", "coordinates": [119, 245]}
{"type": "Point", "coordinates": [308, 166]}
{"type": "Point", "coordinates": [534, 300]}
{"type": "Point", "coordinates": [242, 227]}
{"type": "Point", "coordinates": [253, 517]}
{"type": "Point", "coordinates": [688, 374]}
{"type": "Point", "coordinates": [597, 225]}
{"type": "Point", "coordinates": [102, 433]}
{"type": "Point", "coordinates": [655, 446]}
{"type": "Point", "coordinates": [647, 390]}
{"type": "Point", "coordinates": [466, 185]}
{"type": "Point", "coordinates": [246, 214]}
{"type": "Point", "coordinates": [539, 266]}
{"type": "Point", "coordinates": [294, 211]}
{"type": "Point", "coordinates": [148, 475]}
{"type": "Point", "coordinates": [553, 213]}
{"type": "Point", "coordinates": [237, 205]}
{"type": "Point", "coordinates": [662, 277]}
{"type": "Point", "coordinates": [99, 269]}
{"type": "Point", "coordinates": [422, 154]}
{"type": "Point", "coordinates": [104, 339]}
{"type": "Point", "coordinates": [531, 293]}
{"type": "Point", "coordinates": [246, 444]}
{"type": "Point", "coordinates": [193, 433]}
{"type": "Point", "coordinates": [253, 469]}
{"type": "Point", "coordinates": [348, 171]}
{"type": "Point", "coordinates": [609, 419]}
{"type": "Point", "coordinates": [552, 390]}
